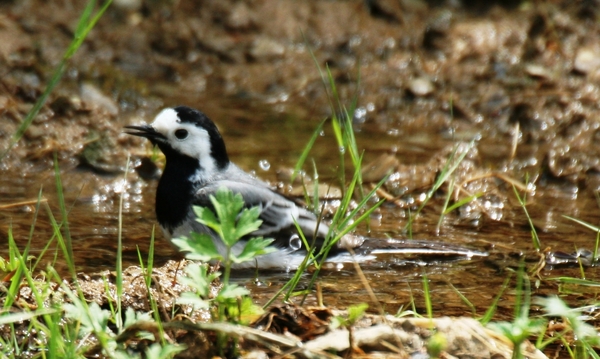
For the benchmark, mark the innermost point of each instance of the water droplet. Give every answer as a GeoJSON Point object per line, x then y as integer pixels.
{"type": "Point", "coordinates": [342, 149]}
{"type": "Point", "coordinates": [295, 242]}
{"type": "Point", "coordinates": [264, 165]}
{"type": "Point", "coordinates": [360, 115]}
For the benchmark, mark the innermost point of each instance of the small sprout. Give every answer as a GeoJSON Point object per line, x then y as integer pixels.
{"type": "Point", "coordinates": [436, 345]}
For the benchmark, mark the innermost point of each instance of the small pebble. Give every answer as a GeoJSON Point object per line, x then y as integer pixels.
{"type": "Point", "coordinates": [420, 86]}
{"type": "Point", "coordinates": [129, 5]}
{"type": "Point", "coordinates": [587, 60]}
{"type": "Point", "coordinates": [538, 71]}
{"type": "Point", "coordinates": [264, 47]}
{"type": "Point", "coordinates": [92, 96]}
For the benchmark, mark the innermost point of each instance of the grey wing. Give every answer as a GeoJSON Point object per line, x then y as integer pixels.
{"type": "Point", "coordinates": [277, 212]}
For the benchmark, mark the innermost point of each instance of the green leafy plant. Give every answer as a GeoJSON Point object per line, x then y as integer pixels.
{"type": "Point", "coordinates": [523, 326]}
{"type": "Point", "coordinates": [585, 335]}
{"type": "Point", "coordinates": [355, 312]}
{"type": "Point", "coordinates": [90, 319]}
{"type": "Point", "coordinates": [231, 222]}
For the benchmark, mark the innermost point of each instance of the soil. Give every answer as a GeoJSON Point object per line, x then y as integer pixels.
{"type": "Point", "coordinates": [512, 86]}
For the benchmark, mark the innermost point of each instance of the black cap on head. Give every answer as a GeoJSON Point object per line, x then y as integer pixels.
{"type": "Point", "coordinates": [217, 145]}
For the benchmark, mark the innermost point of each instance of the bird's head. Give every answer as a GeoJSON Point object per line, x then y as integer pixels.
{"type": "Point", "coordinates": [183, 131]}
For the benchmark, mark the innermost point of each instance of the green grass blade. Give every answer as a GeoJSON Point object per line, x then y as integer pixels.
{"type": "Point", "coordinates": [15, 283]}
{"type": "Point", "coordinates": [489, 313]}
{"type": "Point", "coordinates": [22, 316]}
{"type": "Point", "coordinates": [589, 226]}
{"type": "Point", "coordinates": [583, 223]}
{"type": "Point", "coordinates": [462, 202]}
{"type": "Point", "coordinates": [339, 109]}
{"type": "Point", "coordinates": [445, 206]}
{"type": "Point", "coordinates": [339, 214]}
{"type": "Point", "coordinates": [33, 223]}
{"type": "Point", "coordinates": [66, 240]}
{"type": "Point", "coordinates": [576, 281]}
{"type": "Point", "coordinates": [307, 150]}
{"type": "Point", "coordinates": [147, 270]}
{"type": "Point", "coordinates": [119, 264]}
{"type": "Point", "coordinates": [534, 236]}
{"type": "Point", "coordinates": [464, 299]}
{"type": "Point", "coordinates": [427, 296]}
{"type": "Point", "coordinates": [449, 168]}
{"type": "Point", "coordinates": [349, 228]}
{"type": "Point", "coordinates": [363, 203]}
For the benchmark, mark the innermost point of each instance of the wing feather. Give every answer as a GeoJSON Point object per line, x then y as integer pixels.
{"type": "Point", "coordinates": [277, 212]}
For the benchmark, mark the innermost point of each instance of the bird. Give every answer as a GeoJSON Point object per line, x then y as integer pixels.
{"type": "Point", "coordinates": [197, 165]}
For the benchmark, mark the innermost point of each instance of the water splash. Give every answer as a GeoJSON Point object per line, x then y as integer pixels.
{"type": "Point", "coordinates": [264, 165]}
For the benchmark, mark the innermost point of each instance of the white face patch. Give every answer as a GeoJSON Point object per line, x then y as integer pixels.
{"type": "Point", "coordinates": [196, 144]}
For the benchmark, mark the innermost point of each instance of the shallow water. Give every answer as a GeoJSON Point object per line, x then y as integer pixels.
{"type": "Point", "coordinates": [257, 137]}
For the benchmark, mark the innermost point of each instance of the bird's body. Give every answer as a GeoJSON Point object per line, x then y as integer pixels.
{"type": "Point", "coordinates": [198, 165]}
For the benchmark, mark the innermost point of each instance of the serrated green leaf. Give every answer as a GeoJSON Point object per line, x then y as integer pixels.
{"type": "Point", "coordinates": [132, 317]}
{"type": "Point", "coordinates": [198, 279]}
{"type": "Point", "coordinates": [254, 248]}
{"type": "Point", "coordinates": [248, 222]}
{"type": "Point", "coordinates": [556, 307]}
{"type": "Point", "coordinates": [198, 247]}
{"type": "Point", "coordinates": [222, 202]}
{"type": "Point", "coordinates": [207, 217]}
{"type": "Point", "coordinates": [243, 309]}
{"type": "Point", "coordinates": [93, 319]}
{"type": "Point", "coordinates": [158, 351]}
{"type": "Point", "coordinates": [231, 291]}
{"type": "Point", "coordinates": [145, 335]}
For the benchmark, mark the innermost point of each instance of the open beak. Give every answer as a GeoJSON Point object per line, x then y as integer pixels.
{"type": "Point", "coordinates": [146, 131]}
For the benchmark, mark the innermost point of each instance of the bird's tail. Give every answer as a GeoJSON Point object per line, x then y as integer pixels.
{"type": "Point", "coordinates": [410, 249]}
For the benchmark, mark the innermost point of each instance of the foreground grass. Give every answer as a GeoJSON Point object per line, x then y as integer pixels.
{"type": "Point", "coordinates": [46, 316]}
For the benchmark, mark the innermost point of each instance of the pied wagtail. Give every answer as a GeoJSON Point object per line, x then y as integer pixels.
{"type": "Point", "coordinates": [198, 165]}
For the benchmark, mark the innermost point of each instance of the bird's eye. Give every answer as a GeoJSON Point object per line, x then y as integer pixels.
{"type": "Point", "coordinates": [181, 134]}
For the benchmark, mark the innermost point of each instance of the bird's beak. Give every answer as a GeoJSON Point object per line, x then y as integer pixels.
{"type": "Point", "coordinates": [146, 131]}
